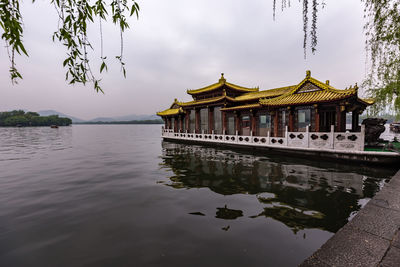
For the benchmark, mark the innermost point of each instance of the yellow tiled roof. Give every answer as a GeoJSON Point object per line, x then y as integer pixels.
{"type": "Point", "coordinates": [249, 106]}
{"type": "Point", "coordinates": [307, 98]}
{"type": "Point", "coordinates": [283, 96]}
{"type": "Point", "coordinates": [205, 101]}
{"type": "Point", "coordinates": [241, 88]}
{"type": "Point", "coordinates": [368, 101]}
{"type": "Point", "coordinates": [170, 112]}
{"type": "Point", "coordinates": [222, 81]}
{"type": "Point", "coordinates": [326, 94]}
{"type": "Point", "coordinates": [205, 89]}
{"type": "Point", "coordinates": [265, 93]}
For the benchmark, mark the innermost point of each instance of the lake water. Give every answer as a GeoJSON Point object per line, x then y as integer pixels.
{"type": "Point", "coordinates": [116, 195]}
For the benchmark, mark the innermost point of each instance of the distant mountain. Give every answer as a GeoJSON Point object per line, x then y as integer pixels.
{"type": "Point", "coordinates": [132, 117]}
{"type": "Point", "coordinates": [102, 119]}
{"type": "Point", "coordinates": [53, 112]}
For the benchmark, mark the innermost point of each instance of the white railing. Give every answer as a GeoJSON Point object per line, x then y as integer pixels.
{"type": "Point", "coordinates": [349, 141]}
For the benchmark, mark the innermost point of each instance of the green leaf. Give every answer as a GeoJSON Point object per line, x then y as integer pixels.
{"type": "Point", "coordinates": [103, 65]}
{"type": "Point", "coordinates": [65, 62]}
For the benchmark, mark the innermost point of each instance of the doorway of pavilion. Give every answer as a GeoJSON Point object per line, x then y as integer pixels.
{"type": "Point", "coordinates": [245, 125]}
{"type": "Point", "coordinates": [217, 120]}
{"type": "Point", "coordinates": [264, 124]}
{"type": "Point", "coordinates": [231, 124]}
{"type": "Point", "coordinates": [204, 120]}
{"type": "Point", "coordinates": [326, 119]}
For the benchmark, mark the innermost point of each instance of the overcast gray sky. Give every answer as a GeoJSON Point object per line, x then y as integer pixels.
{"type": "Point", "coordinates": [185, 44]}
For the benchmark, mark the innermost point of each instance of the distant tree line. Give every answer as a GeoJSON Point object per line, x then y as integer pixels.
{"type": "Point", "coordinates": [158, 121]}
{"type": "Point", "coordinates": [22, 118]}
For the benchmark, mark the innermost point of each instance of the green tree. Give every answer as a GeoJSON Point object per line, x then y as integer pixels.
{"type": "Point", "coordinates": [18, 120]}
{"type": "Point", "coordinates": [32, 114]}
{"type": "Point", "coordinates": [382, 31]}
{"type": "Point", "coordinates": [383, 44]}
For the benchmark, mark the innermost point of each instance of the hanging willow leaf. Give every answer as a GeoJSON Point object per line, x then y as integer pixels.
{"type": "Point", "coordinates": [305, 26]}
{"type": "Point", "coordinates": [314, 27]}
{"type": "Point", "coordinates": [74, 18]}
{"type": "Point", "coordinates": [383, 44]}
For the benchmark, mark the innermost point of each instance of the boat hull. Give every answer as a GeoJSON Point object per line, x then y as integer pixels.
{"type": "Point", "coordinates": [367, 157]}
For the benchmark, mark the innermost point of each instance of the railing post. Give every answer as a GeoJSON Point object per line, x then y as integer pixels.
{"type": "Point", "coordinates": [308, 135]}
{"type": "Point", "coordinates": [236, 139]}
{"type": "Point", "coordinates": [268, 138]}
{"type": "Point", "coordinates": [251, 136]}
{"type": "Point", "coordinates": [286, 135]}
{"type": "Point", "coordinates": [332, 136]}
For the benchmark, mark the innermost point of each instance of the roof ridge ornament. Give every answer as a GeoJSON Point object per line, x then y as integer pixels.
{"type": "Point", "coordinates": [308, 73]}
{"type": "Point", "coordinates": [222, 79]}
{"type": "Point", "coordinates": [356, 89]}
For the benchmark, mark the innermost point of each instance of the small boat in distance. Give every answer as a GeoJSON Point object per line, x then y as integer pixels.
{"type": "Point", "coordinates": [54, 126]}
{"type": "Point", "coordinates": [395, 127]}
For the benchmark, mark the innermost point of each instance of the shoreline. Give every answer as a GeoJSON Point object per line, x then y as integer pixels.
{"type": "Point", "coordinates": [371, 238]}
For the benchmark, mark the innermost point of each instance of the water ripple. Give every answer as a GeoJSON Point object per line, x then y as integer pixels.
{"type": "Point", "coordinates": [102, 195]}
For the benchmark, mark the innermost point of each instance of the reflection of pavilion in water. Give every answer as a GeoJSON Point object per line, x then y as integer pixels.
{"type": "Point", "coordinates": [303, 196]}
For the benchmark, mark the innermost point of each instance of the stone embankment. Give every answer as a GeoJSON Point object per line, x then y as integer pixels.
{"type": "Point", "coordinates": [372, 238]}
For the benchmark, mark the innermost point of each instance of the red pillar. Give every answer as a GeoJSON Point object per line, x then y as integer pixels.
{"type": "Point", "coordinates": [253, 125]}
{"type": "Point", "coordinates": [187, 117]}
{"type": "Point", "coordinates": [355, 121]}
{"type": "Point", "coordinates": [337, 126]}
{"type": "Point", "coordinates": [276, 123]}
{"type": "Point", "coordinates": [237, 123]}
{"type": "Point", "coordinates": [197, 117]}
{"type": "Point", "coordinates": [181, 122]}
{"type": "Point", "coordinates": [291, 120]}
{"type": "Point", "coordinates": [340, 119]}
{"type": "Point", "coordinates": [223, 122]}
{"type": "Point", "coordinates": [176, 121]}
{"type": "Point", "coordinates": [317, 127]}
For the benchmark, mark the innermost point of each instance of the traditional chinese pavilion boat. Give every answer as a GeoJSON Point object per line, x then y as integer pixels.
{"type": "Point", "coordinates": [307, 119]}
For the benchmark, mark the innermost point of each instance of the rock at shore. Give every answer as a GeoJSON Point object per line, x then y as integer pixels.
{"type": "Point", "coordinates": [374, 127]}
